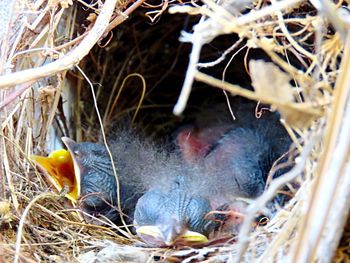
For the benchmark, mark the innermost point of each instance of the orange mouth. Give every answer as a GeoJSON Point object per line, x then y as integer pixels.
{"type": "Point", "coordinates": [58, 169]}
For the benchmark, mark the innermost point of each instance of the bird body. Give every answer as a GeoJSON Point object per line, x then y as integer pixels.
{"type": "Point", "coordinates": [241, 153]}
{"type": "Point", "coordinates": [223, 162]}
{"type": "Point", "coordinates": [98, 188]}
{"type": "Point", "coordinates": [175, 211]}
{"type": "Point", "coordinates": [169, 197]}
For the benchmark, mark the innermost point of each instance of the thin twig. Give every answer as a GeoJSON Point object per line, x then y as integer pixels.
{"type": "Point", "coordinates": [237, 90]}
{"type": "Point", "coordinates": [329, 170]}
{"type": "Point", "coordinates": [260, 202]}
{"type": "Point", "coordinates": [123, 16]}
{"type": "Point", "coordinates": [107, 148]}
{"type": "Point", "coordinates": [330, 11]}
{"type": "Point", "coordinates": [22, 221]}
{"type": "Point", "coordinates": [15, 94]}
{"type": "Point", "coordinates": [69, 60]}
{"type": "Point", "coordinates": [266, 11]}
{"type": "Point", "coordinates": [198, 42]}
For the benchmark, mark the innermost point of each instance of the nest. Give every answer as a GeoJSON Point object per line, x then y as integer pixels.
{"type": "Point", "coordinates": [62, 59]}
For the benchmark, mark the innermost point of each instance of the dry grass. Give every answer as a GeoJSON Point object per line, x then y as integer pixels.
{"type": "Point", "coordinates": [42, 42]}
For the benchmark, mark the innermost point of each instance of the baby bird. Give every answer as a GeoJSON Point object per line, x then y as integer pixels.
{"type": "Point", "coordinates": [241, 151]}
{"type": "Point", "coordinates": [223, 162]}
{"type": "Point", "coordinates": [98, 188]}
{"type": "Point", "coordinates": [174, 209]}
{"type": "Point", "coordinates": [169, 197]}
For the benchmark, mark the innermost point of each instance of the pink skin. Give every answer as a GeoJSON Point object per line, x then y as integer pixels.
{"type": "Point", "coordinates": [233, 215]}
{"type": "Point", "coordinates": [195, 143]}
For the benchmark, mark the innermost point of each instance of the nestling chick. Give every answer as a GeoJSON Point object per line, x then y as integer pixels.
{"type": "Point", "coordinates": [169, 196]}
{"type": "Point", "coordinates": [241, 153]}
{"type": "Point", "coordinates": [98, 188]}
{"type": "Point", "coordinates": [226, 161]}
{"type": "Point", "coordinates": [173, 215]}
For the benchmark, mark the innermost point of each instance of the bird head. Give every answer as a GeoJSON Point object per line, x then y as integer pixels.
{"type": "Point", "coordinates": [92, 178]}
{"type": "Point", "coordinates": [89, 159]}
{"type": "Point", "coordinates": [86, 170]}
{"type": "Point", "coordinates": [94, 173]}
{"type": "Point", "coordinates": [165, 218]}
{"type": "Point", "coordinates": [87, 155]}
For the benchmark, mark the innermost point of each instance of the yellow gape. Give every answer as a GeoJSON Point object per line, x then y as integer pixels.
{"type": "Point", "coordinates": [59, 170]}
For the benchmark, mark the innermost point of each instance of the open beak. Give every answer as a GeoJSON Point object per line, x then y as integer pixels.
{"type": "Point", "coordinates": [153, 234]}
{"type": "Point", "coordinates": [60, 170]}
{"type": "Point", "coordinates": [70, 144]}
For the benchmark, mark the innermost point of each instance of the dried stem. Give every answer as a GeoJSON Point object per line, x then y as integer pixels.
{"type": "Point", "coordinates": [260, 202]}
{"type": "Point", "coordinates": [69, 60]}
{"type": "Point", "coordinates": [330, 171]}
